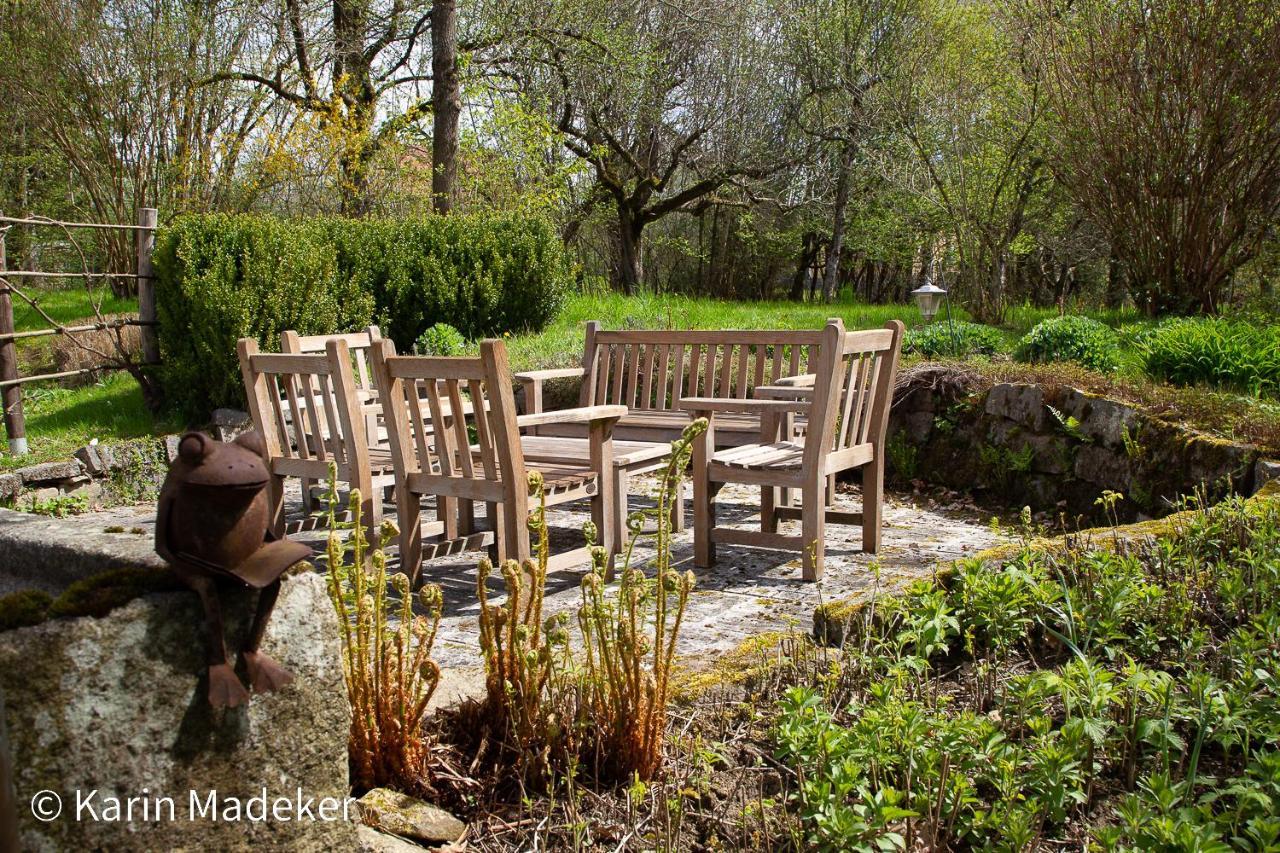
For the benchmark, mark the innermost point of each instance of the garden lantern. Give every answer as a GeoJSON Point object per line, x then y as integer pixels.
{"type": "Point", "coordinates": [929, 298]}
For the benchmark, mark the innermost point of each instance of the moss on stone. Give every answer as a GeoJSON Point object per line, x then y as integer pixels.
{"type": "Point", "coordinates": [748, 659]}
{"type": "Point", "coordinates": [99, 594]}
{"type": "Point", "coordinates": [24, 607]}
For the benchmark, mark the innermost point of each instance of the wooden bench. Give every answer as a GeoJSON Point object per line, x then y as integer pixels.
{"type": "Point", "coordinates": [649, 370]}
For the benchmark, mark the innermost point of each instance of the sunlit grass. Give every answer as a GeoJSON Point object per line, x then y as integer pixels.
{"type": "Point", "coordinates": [60, 420]}
{"type": "Point", "coordinates": [66, 306]}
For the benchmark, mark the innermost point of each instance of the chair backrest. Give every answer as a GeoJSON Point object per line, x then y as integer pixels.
{"type": "Point", "coordinates": [853, 388]}
{"type": "Point", "coordinates": [307, 409]}
{"type": "Point", "coordinates": [437, 409]}
{"type": "Point", "coordinates": [358, 343]}
{"type": "Point", "coordinates": [652, 369]}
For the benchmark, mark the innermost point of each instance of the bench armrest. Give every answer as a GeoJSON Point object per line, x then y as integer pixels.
{"type": "Point", "coordinates": [588, 414]}
{"type": "Point", "coordinates": [802, 380]}
{"type": "Point", "coordinates": [707, 405]}
{"type": "Point", "coordinates": [782, 392]}
{"type": "Point", "coordinates": [526, 376]}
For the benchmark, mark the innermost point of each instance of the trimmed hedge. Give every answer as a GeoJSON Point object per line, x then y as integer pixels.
{"type": "Point", "coordinates": [1215, 351]}
{"type": "Point", "coordinates": [223, 277]}
{"type": "Point", "coordinates": [1071, 338]}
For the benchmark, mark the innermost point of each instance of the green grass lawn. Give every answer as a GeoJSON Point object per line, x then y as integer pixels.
{"type": "Point", "coordinates": [66, 306]}
{"type": "Point", "coordinates": [60, 420]}
{"type": "Point", "coordinates": [560, 344]}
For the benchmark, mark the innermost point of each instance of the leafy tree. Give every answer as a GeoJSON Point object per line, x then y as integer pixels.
{"type": "Point", "coordinates": [1166, 128]}
{"type": "Point", "coordinates": [667, 103]}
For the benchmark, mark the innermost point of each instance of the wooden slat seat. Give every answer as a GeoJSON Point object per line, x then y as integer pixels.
{"type": "Point", "coordinates": [778, 456]}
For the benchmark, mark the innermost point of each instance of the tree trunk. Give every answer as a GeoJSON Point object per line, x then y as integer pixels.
{"type": "Point", "coordinates": [628, 262]}
{"type": "Point", "coordinates": [446, 104]}
{"type": "Point", "coordinates": [831, 276]}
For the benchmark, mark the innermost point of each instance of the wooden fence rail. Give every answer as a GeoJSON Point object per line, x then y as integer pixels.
{"type": "Point", "coordinates": [10, 382]}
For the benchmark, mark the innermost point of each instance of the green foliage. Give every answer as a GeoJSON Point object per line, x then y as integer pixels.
{"type": "Point", "coordinates": [59, 506]}
{"type": "Point", "coordinates": [903, 456]}
{"type": "Point", "coordinates": [1070, 338]}
{"type": "Point", "coordinates": [221, 278]}
{"type": "Point", "coordinates": [938, 339]}
{"type": "Point", "coordinates": [1014, 706]}
{"type": "Point", "coordinates": [441, 339]}
{"type": "Point", "coordinates": [1214, 351]}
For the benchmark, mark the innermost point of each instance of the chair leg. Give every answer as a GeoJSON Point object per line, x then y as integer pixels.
{"type": "Point", "coordinates": [275, 496]}
{"type": "Point", "coordinates": [409, 512]}
{"type": "Point", "coordinates": [493, 514]}
{"type": "Point", "coordinates": [704, 503]}
{"type": "Point", "coordinates": [768, 517]}
{"type": "Point", "coordinates": [516, 532]}
{"type": "Point", "coordinates": [308, 502]}
{"type": "Point", "coordinates": [621, 487]}
{"type": "Point", "coordinates": [831, 490]}
{"type": "Point", "coordinates": [447, 512]}
{"type": "Point", "coordinates": [872, 504]}
{"type": "Point", "coordinates": [813, 520]}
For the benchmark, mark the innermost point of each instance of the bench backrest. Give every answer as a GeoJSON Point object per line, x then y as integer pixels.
{"type": "Point", "coordinates": [653, 369]}
{"type": "Point", "coordinates": [358, 343]}
{"type": "Point", "coordinates": [853, 388]}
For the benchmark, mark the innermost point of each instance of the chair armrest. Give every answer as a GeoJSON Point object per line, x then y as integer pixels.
{"type": "Point", "coordinates": [782, 392]}
{"type": "Point", "coordinates": [527, 376]}
{"type": "Point", "coordinates": [802, 380]}
{"type": "Point", "coordinates": [584, 415]}
{"type": "Point", "coordinates": [751, 407]}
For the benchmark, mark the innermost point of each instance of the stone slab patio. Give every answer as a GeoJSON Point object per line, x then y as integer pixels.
{"type": "Point", "coordinates": [749, 591]}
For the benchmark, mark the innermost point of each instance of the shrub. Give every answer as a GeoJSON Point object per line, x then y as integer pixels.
{"type": "Point", "coordinates": [220, 278]}
{"type": "Point", "coordinates": [440, 339]}
{"type": "Point", "coordinates": [1214, 351]}
{"type": "Point", "coordinates": [938, 339]}
{"type": "Point", "coordinates": [1071, 338]}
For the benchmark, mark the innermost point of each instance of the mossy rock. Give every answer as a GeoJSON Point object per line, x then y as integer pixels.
{"type": "Point", "coordinates": [100, 594]}
{"type": "Point", "coordinates": [94, 596]}
{"type": "Point", "coordinates": [24, 607]}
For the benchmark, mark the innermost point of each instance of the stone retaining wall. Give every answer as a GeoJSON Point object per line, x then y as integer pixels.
{"type": "Point", "coordinates": [1060, 449]}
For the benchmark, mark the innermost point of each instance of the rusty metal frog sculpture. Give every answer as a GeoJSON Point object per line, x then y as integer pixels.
{"type": "Point", "coordinates": [212, 526]}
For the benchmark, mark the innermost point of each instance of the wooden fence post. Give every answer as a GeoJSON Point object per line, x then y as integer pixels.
{"type": "Point", "coordinates": [15, 423]}
{"type": "Point", "coordinates": [147, 219]}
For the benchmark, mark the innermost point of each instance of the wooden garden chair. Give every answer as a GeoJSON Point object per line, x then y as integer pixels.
{"type": "Point", "coordinates": [308, 409]}
{"type": "Point", "coordinates": [478, 456]}
{"type": "Point", "coordinates": [358, 343]}
{"type": "Point", "coordinates": [848, 412]}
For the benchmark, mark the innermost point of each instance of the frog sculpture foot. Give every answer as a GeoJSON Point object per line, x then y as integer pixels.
{"type": "Point", "coordinates": [265, 675]}
{"type": "Point", "coordinates": [213, 526]}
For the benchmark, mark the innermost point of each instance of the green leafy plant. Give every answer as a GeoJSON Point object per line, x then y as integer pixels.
{"type": "Point", "coordinates": [386, 655]}
{"type": "Point", "coordinates": [939, 339]}
{"type": "Point", "coordinates": [1214, 351]}
{"type": "Point", "coordinates": [1070, 338]}
{"type": "Point", "coordinates": [440, 339]}
{"type": "Point", "coordinates": [59, 506]}
{"type": "Point", "coordinates": [903, 456]}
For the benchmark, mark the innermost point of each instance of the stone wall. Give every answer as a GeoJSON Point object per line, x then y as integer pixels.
{"type": "Point", "coordinates": [1059, 449]}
